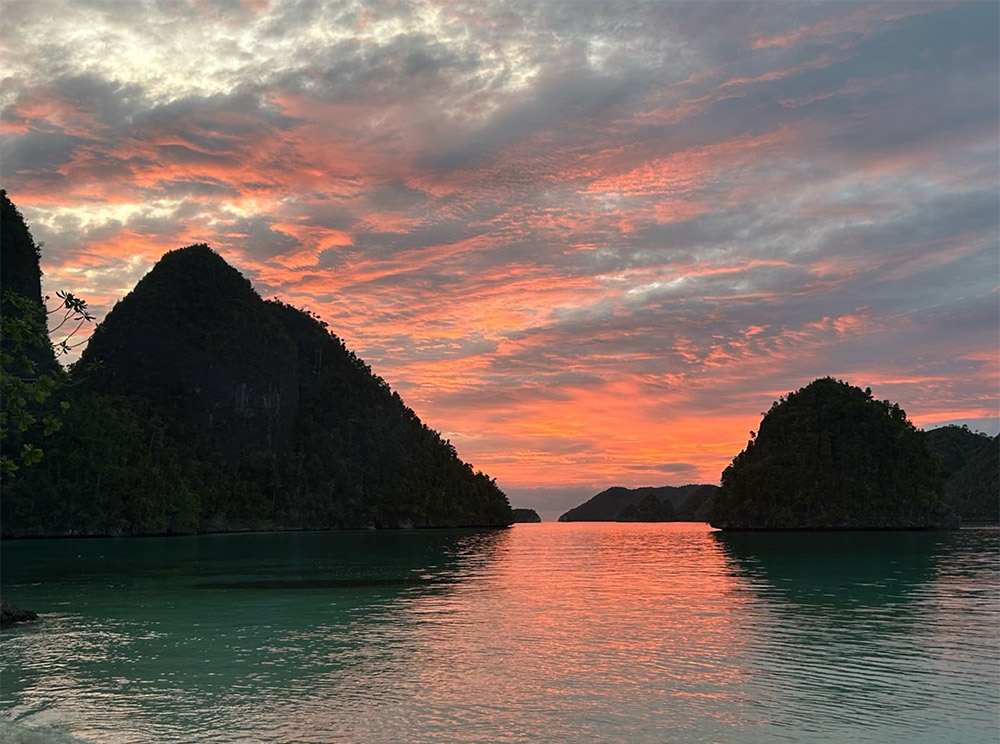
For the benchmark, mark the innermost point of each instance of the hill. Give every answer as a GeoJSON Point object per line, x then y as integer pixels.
{"type": "Point", "coordinates": [213, 410]}
{"type": "Point", "coordinates": [686, 503]}
{"type": "Point", "coordinates": [974, 491]}
{"type": "Point", "coordinates": [526, 515]}
{"type": "Point", "coordinates": [954, 446]}
{"type": "Point", "coordinates": [970, 463]}
{"type": "Point", "coordinates": [830, 456]}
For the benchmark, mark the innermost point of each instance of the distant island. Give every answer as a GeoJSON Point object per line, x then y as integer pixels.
{"type": "Point", "coordinates": [199, 407]}
{"type": "Point", "coordinates": [831, 456]}
{"type": "Point", "coordinates": [970, 463]}
{"type": "Point", "coordinates": [688, 503]}
{"type": "Point", "coordinates": [526, 516]}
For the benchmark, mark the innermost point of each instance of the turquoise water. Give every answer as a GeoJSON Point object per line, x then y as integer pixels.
{"type": "Point", "coordinates": [579, 633]}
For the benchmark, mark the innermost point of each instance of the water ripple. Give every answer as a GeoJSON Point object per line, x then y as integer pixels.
{"type": "Point", "coordinates": [544, 633]}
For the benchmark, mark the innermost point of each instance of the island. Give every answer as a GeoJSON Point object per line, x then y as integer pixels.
{"type": "Point", "coordinates": [970, 463]}
{"type": "Point", "coordinates": [687, 503]}
{"type": "Point", "coordinates": [526, 516]}
{"type": "Point", "coordinates": [831, 457]}
{"type": "Point", "coordinates": [197, 406]}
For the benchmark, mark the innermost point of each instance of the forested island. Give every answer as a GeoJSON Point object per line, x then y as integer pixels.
{"type": "Point", "coordinates": [970, 463]}
{"type": "Point", "coordinates": [647, 504]}
{"type": "Point", "coordinates": [526, 516]}
{"type": "Point", "coordinates": [197, 406]}
{"type": "Point", "coordinates": [831, 456]}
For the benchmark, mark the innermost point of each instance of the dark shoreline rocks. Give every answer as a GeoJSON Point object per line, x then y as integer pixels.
{"type": "Point", "coordinates": [11, 614]}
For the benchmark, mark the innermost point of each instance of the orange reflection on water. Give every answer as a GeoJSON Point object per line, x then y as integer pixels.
{"type": "Point", "coordinates": [647, 608]}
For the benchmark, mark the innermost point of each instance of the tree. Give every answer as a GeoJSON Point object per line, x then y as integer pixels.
{"type": "Point", "coordinates": [30, 376]}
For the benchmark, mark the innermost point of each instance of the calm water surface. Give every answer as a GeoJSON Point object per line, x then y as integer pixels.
{"type": "Point", "coordinates": [574, 633]}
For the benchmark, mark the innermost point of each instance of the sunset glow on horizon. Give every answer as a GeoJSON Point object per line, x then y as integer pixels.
{"type": "Point", "coordinates": [589, 243]}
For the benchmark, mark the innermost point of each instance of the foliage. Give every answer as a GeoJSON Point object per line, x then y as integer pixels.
{"type": "Point", "coordinates": [648, 509]}
{"type": "Point", "coordinates": [831, 456]}
{"type": "Point", "coordinates": [973, 490]}
{"type": "Point", "coordinates": [954, 446]}
{"type": "Point", "coordinates": [969, 461]}
{"type": "Point", "coordinates": [29, 377]}
{"type": "Point", "coordinates": [29, 374]}
{"type": "Point", "coordinates": [24, 388]}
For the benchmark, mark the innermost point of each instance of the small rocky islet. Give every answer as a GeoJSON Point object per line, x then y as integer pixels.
{"type": "Point", "coordinates": [11, 614]}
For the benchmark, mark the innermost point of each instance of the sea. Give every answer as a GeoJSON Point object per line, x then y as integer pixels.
{"type": "Point", "coordinates": [580, 633]}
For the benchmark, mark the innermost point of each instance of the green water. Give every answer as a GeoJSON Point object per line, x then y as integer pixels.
{"type": "Point", "coordinates": [577, 633]}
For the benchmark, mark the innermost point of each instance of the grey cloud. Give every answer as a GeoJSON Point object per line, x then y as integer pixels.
{"type": "Point", "coordinates": [256, 237]}
{"type": "Point", "coordinates": [433, 348]}
{"type": "Point", "coordinates": [408, 64]}
{"type": "Point", "coordinates": [396, 196]}
{"type": "Point", "coordinates": [877, 188]}
{"type": "Point", "coordinates": [679, 470]}
{"type": "Point", "coordinates": [37, 152]}
{"type": "Point", "coordinates": [560, 98]}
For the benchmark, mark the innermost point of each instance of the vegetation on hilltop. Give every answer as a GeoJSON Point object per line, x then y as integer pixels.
{"type": "Point", "coordinates": [648, 509]}
{"type": "Point", "coordinates": [29, 374]}
{"type": "Point", "coordinates": [831, 456]}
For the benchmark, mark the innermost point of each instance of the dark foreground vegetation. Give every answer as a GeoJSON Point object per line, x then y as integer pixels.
{"type": "Point", "coordinates": [197, 406]}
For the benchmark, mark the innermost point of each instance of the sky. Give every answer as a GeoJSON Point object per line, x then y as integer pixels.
{"type": "Point", "coordinates": [590, 243]}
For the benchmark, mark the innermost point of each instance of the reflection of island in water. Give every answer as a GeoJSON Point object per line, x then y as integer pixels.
{"type": "Point", "coordinates": [859, 630]}
{"type": "Point", "coordinates": [154, 622]}
{"type": "Point", "coordinates": [834, 569]}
